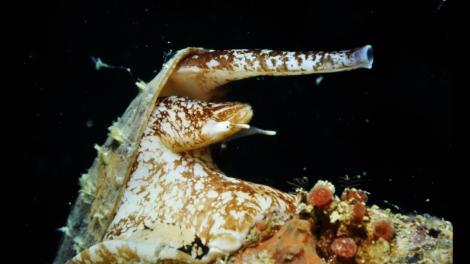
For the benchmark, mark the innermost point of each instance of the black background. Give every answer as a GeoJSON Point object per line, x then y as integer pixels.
{"type": "Point", "coordinates": [393, 125]}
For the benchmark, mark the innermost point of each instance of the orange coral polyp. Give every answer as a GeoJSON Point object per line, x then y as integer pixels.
{"type": "Point", "coordinates": [359, 211]}
{"type": "Point", "coordinates": [320, 196]}
{"type": "Point", "coordinates": [383, 229]}
{"type": "Point", "coordinates": [344, 247]}
{"type": "Point", "coordinates": [354, 195]}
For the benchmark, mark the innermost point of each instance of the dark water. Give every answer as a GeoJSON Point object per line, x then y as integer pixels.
{"type": "Point", "coordinates": [392, 125]}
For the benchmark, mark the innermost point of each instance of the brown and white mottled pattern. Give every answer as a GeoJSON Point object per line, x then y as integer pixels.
{"type": "Point", "coordinates": [153, 194]}
{"type": "Point", "coordinates": [181, 134]}
{"type": "Point", "coordinates": [277, 62]}
{"type": "Point", "coordinates": [184, 188]}
{"type": "Point", "coordinates": [184, 124]}
{"type": "Point", "coordinates": [198, 75]}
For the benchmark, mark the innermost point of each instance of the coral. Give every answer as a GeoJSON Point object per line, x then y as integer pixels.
{"type": "Point", "coordinates": [321, 194]}
{"type": "Point", "coordinates": [358, 212]}
{"type": "Point", "coordinates": [345, 231]}
{"type": "Point", "coordinates": [344, 247]}
{"type": "Point", "coordinates": [353, 194]}
{"type": "Point", "coordinates": [383, 229]}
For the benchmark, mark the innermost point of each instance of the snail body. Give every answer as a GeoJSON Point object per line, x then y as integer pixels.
{"type": "Point", "coordinates": [153, 193]}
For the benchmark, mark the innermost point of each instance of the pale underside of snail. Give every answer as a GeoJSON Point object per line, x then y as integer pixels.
{"type": "Point", "coordinates": [154, 194]}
